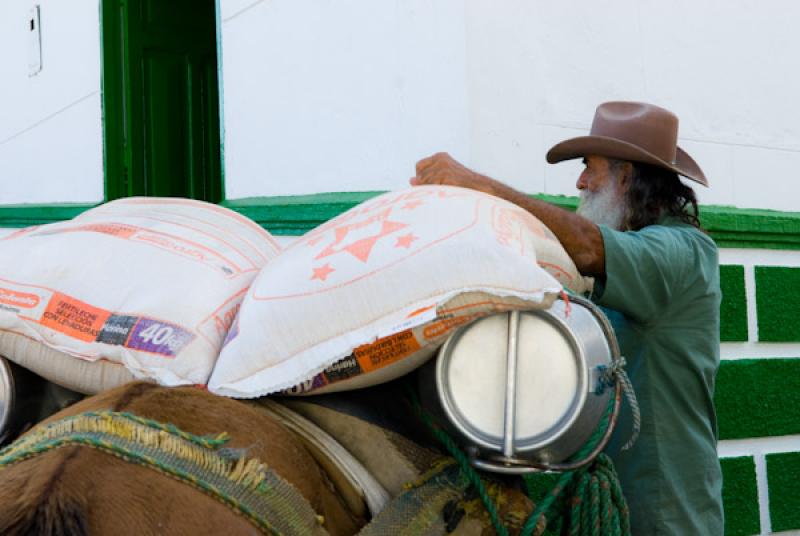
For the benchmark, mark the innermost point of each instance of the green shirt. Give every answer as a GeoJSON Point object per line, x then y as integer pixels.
{"type": "Point", "coordinates": [662, 289]}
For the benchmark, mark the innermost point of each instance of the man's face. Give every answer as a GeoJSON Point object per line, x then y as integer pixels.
{"type": "Point", "coordinates": [602, 192]}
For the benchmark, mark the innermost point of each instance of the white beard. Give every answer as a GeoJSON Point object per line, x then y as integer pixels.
{"type": "Point", "coordinates": [603, 207]}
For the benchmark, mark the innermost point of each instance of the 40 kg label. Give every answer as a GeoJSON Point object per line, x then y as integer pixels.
{"type": "Point", "coordinates": [158, 337]}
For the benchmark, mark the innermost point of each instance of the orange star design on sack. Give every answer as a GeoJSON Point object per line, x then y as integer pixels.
{"type": "Point", "coordinates": [362, 247]}
{"type": "Point", "coordinates": [322, 272]}
{"type": "Point", "coordinates": [405, 240]}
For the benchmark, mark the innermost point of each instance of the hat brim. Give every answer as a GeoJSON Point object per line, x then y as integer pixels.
{"type": "Point", "coordinates": [613, 148]}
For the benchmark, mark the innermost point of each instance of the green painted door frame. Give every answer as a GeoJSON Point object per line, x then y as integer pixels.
{"type": "Point", "coordinates": [161, 99]}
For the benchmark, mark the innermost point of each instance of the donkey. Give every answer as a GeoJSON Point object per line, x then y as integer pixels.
{"type": "Point", "coordinates": [56, 487]}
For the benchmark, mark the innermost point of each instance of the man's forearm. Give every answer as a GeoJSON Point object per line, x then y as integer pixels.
{"type": "Point", "coordinates": [580, 237]}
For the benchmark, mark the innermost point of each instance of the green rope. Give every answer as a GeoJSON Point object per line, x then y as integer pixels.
{"type": "Point", "coordinates": [609, 376]}
{"type": "Point", "coordinates": [466, 468]}
{"type": "Point", "coordinates": [597, 505]}
{"type": "Point", "coordinates": [591, 509]}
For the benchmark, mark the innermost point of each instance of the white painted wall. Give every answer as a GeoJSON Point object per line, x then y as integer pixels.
{"type": "Point", "coordinates": [537, 70]}
{"type": "Point", "coordinates": [50, 124]}
{"type": "Point", "coordinates": [324, 95]}
{"type": "Point", "coordinates": [345, 96]}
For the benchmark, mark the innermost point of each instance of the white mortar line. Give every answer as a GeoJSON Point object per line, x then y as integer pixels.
{"type": "Point", "coordinates": [763, 493]}
{"type": "Point", "coordinates": [758, 350]}
{"type": "Point", "coordinates": [749, 259]}
{"type": "Point", "coordinates": [733, 448]}
{"type": "Point", "coordinates": [759, 257]}
{"type": "Point", "coordinates": [759, 448]}
{"type": "Point", "coordinates": [750, 295]}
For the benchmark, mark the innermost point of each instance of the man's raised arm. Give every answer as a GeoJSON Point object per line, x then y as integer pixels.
{"type": "Point", "coordinates": [580, 237]}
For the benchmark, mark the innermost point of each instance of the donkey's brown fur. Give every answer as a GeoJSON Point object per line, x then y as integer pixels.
{"type": "Point", "coordinates": [79, 490]}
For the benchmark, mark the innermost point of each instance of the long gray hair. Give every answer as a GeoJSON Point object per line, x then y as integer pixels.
{"type": "Point", "coordinates": [654, 193]}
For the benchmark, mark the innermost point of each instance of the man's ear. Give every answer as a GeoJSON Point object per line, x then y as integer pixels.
{"type": "Point", "coordinates": [627, 175]}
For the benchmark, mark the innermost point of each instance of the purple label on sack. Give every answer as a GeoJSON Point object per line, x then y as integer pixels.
{"type": "Point", "coordinates": [307, 386]}
{"type": "Point", "coordinates": [158, 337]}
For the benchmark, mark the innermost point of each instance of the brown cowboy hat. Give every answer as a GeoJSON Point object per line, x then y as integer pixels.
{"type": "Point", "coordinates": [633, 131]}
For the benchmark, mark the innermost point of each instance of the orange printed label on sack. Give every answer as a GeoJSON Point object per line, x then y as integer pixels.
{"type": "Point", "coordinates": [386, 351]}
{"type": "Point", "coordinates": [74, 318]}
{"type": "Point", "coordinates": [364, 359]}
{"type": "Point", "coordinates": [18, 299]}
{"type": "Point", "coordinates": [87, 323]}
{"type": "Point", "coordinates": [441, 327]}
{"type": "Point", "coordinates": [450, 319]}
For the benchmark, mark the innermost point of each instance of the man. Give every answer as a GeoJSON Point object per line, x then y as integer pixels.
{"type": "Point", "coordinates": [636, 231]}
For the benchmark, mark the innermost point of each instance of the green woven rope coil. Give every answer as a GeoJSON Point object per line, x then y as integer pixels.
{"type": "Point", "coordinates": [597, 505]}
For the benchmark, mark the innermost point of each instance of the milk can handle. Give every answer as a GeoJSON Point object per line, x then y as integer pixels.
{"type": "Point", "coordinates": [511, 384]}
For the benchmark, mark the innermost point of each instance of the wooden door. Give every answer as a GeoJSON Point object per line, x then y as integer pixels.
{"type": "Point", "coordinates": [161, 103]}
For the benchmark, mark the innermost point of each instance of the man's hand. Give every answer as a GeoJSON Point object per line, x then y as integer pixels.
{"type": "Point", "coordinates": [580, 237]}
{"type": "Point", "coordinates": [442, 168]}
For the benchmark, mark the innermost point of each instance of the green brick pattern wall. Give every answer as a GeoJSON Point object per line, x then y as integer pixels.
{"type": "Point", "coordinates": [740, 496]}
{"type": "Point", "coordinates": [755, 397]}
{"type": "Point", "coordinates": [778, 303]}
{"type": "Point", "coordinates": [784, 490]}
{"type": "Point", "coordinates": [733, 311]}
{"type": "Point", "coordinates": [752, 395]}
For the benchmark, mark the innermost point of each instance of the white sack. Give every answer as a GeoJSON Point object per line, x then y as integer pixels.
{"type": "Point", "coordinates": [136, 288]}
{"type": "Point", "coordinates": [372, 293]}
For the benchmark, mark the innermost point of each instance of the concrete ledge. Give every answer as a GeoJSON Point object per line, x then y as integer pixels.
{"type": "Point", "coordinates": [293, 215]}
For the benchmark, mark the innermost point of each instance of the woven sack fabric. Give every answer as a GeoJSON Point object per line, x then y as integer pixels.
{"type": "Point", "coordinates": [371, 294]}
{"type": "Point", "coordinates": [136, 288]}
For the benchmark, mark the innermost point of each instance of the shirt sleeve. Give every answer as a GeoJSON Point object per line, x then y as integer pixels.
{"type": "Point", "coordinates": [644, 270]}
